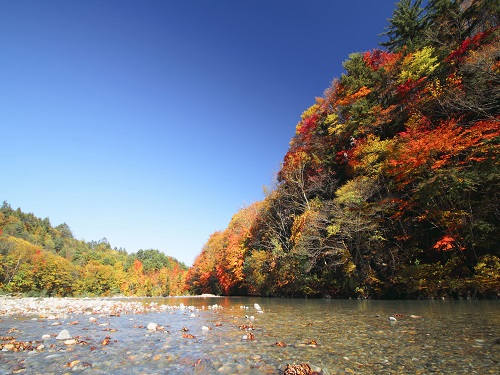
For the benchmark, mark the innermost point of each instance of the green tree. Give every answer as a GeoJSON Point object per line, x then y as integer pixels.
{"type": "Point", "coordinates": [405, 30]}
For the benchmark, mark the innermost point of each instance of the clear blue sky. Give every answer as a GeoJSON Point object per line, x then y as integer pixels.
{"type": "Point", "coordinates": [151, 123]}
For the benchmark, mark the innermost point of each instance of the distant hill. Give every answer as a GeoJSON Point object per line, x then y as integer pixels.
{"type": "Point", "coordinates": [390, 187]}
{"type": "Point", "coordinates": [39, 259]}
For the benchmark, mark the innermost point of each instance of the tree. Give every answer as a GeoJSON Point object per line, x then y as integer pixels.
{"type": "Point", "coordinates": [405, 27]}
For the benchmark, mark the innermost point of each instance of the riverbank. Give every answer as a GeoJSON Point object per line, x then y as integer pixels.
{"type": "Point", "coordinates": [56, 308]}
{"type": "Point", "coordinates": [45, 307]}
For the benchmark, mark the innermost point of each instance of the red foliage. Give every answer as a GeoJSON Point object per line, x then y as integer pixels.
{"type": "Point", "coordinates": [343, 156]}
{"type": "Point", "coordinates": [470, 43]}
{"type": "Point", "coordinates": [408, 86]}
{"type": "Point", "coordinates": [308, 124]}
{"type": "Point", "coordinates": [377, 59]}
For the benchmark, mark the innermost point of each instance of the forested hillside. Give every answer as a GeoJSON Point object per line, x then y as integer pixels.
{"type": "Point", "coordinates": [38, 259]}
{"type": "Point", "coordinates": [390, 186]}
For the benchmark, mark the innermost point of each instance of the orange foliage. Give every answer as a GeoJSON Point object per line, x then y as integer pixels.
{"type": "Point", "coordinates": [349, 99]}
{"type": "Point", "coordinates": [222, 258]}
{"type": "Point", "coordinates": [446, 243]}
{"type": "Point", "coordinates": [448, 144]}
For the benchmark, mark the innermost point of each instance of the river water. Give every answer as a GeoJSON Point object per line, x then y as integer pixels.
{"type": "Point", "coordinates": [332, 336]}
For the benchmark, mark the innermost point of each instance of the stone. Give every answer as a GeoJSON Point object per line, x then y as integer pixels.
{"type": "Point", "coordinates": [152, 326]}
{"type": "Point", "coordinates": [63, 335]}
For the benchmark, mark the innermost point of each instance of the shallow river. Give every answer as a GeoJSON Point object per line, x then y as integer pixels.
{"type": "Point", "coordinates": [334, 336]}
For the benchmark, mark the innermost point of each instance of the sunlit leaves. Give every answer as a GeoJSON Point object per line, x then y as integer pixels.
{"type": "Point", "coordinates": [421, 151]}
{"type": "Point", "coordinates": [419, 64]}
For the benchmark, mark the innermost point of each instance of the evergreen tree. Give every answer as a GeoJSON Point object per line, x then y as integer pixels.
{"type": "Point", "coordinates": [406, 26]}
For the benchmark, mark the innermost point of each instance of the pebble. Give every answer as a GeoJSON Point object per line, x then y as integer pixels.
{"type": "Point", "coordinates": [63, 335]}
{"type": "Point", "coordinates": [152, 326]}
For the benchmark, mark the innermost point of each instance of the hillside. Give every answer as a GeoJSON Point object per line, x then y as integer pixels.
{"type": "Point", "coordinates": [390, 186]}
{"type": "Point", "coordinates": [39, 259]}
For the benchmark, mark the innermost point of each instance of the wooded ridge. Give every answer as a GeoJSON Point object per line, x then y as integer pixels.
{"type": "Point", "coordinates": [389, 188]}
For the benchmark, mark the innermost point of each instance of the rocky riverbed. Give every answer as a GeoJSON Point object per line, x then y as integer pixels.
{"type": "Point", "coordinates": [236, 336]}
{"type": "Point", "coordinates": [112, 336]}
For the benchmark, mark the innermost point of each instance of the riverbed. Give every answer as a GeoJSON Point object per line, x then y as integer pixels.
{"type": "Point", "coordinates": [219, 335]}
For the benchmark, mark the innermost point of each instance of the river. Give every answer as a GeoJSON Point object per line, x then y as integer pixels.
{"type": "Point", "coordinates": [213, 336]}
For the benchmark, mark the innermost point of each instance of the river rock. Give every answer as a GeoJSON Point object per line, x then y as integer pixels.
{"type": "Point", "coordinates": [7, 347]}
{"type": "Point", "coordinates": [152, 326]}
{"type": "Point", "coordinates": [63, 335]}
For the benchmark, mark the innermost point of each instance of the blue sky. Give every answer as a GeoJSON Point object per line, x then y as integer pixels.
{"type": "Point", "coordinates": [151, 123]}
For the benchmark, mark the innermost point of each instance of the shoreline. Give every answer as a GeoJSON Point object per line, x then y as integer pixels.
{"type": "Point", "coordinates": [58, 307]}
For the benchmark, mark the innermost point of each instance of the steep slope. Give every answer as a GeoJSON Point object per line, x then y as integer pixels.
{"type": "Point", "coordinates": [390, 186]}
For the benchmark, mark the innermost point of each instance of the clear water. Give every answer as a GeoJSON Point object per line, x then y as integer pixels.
{"type": "Point", "coordinates": [337, 336]}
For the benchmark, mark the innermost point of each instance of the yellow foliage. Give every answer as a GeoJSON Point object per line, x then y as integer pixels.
{"type": "Point", "coordinates": [371, 154]}
{"type": "Point", "coordinates": [334, 126]}
{"type": "Point", "coordinates": [355, 191]}
{"type": "Point", "coordinates": [417, 65]}
{"type": "Point", "coordinates": [300, 225]}
{"type": "Point", "coordinates": [312, 110]}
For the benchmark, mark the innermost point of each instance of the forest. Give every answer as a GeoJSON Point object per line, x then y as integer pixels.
{"type": "Point", "coordinates": [38, 259]}
{"type": "Point", "coordinates": [390, 186]}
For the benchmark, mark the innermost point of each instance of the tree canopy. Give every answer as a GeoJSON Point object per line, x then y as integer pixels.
{"type": "Point", "coordinates": [390, 185]}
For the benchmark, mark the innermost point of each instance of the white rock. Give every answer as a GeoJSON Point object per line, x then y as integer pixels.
{"type": "Point", "coordinates": [70, 342]}
{"type": "Point", "coordinates": [152, 326]}
{"type": "Point", "coordinates": [92, 319]}
{"type": "Point", "coordinates": [257, 306]}
{"type": "Point", "coordinates": [205, 329]}
{"type": "Point", "coordinates": [63, 335]}
{"type": "Point", "coordinates": [392, 319]}
{"type": "Point", "coordinates": [45, 337]}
